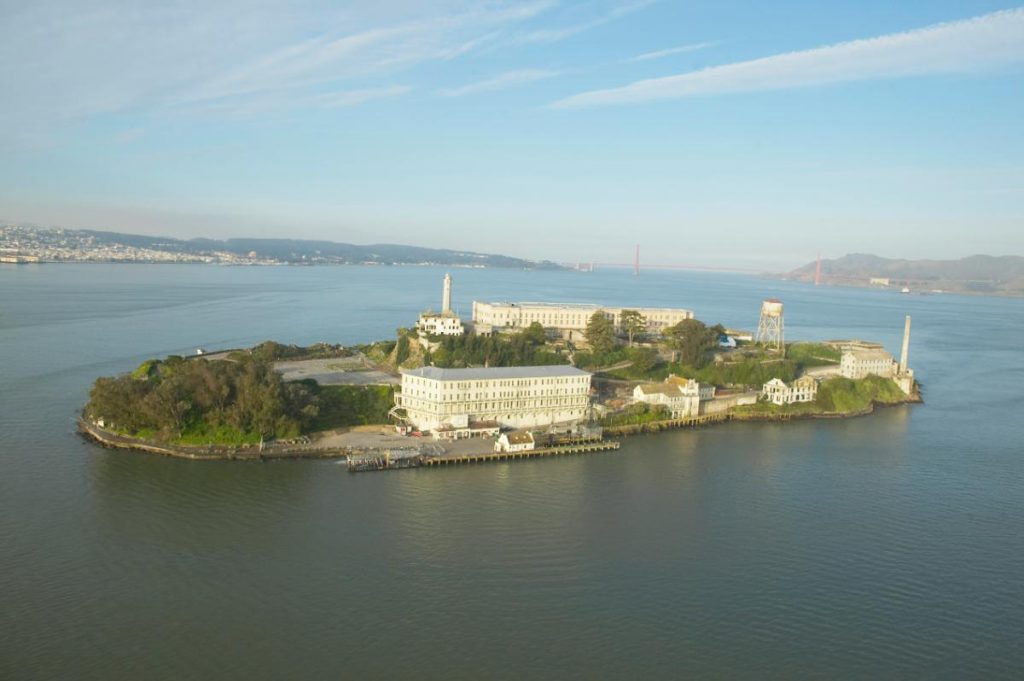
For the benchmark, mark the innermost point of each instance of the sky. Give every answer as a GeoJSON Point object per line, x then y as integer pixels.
{"type": "Point", "coordinates": [714, 133]}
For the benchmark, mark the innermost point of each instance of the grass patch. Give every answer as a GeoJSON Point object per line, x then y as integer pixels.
{"type": "Point", "coordinates": [812, 354]}
{"type": "Point", "coordinates": [845, 395]}
{"type": "Point", "coordinates": [203, 434]}
{"type": "Point", "coordinates": [636, 414]}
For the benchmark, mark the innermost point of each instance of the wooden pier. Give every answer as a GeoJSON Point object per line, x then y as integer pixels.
{"type": "Point", "coordinates": [488, 457]}
{"type": "Point", "coordinates": [384, 461]}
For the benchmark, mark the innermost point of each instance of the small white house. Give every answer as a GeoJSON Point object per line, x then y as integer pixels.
{"type": "Point", "coordinates": [515, 441]}
{"type": "Point", "coordinates": [681, 395]}
{"type": "Point", "coordinates": [803, 389]}
{"type": "Point", "coordinates": [440, 324]}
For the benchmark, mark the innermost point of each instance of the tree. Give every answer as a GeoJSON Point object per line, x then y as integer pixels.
{"type": "Point", "coordinates": [633, 323]}
{"type": "Point", "coordinates": [690, 341]}
{"type": "Point", "coordinates": [643, 360]}
{"type": "Point", "coordinates": [535, 334]}
{"type": "Point", "coordinates": [600, 333]}
{"type": "Point", "coordinates": [198, 399]}
{"type": "Point", "coordinates": [402, 353]}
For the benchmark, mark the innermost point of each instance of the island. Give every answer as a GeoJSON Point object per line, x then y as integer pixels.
{"type": "Point", "coordinates": [519, 380]}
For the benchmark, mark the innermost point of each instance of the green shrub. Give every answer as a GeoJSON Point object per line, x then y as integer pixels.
{"type": "Point", "coordinates": [812, 354]}
{"type": "Point", "coordinates": [352, 405]}
{"type": "Point", "coordinates": [636, 414]}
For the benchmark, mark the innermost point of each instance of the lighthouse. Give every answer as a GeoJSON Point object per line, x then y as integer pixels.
{"type": "Point", "coordinates": [446, 296]}
{"type": "Point", "coordinates": [904, 374]}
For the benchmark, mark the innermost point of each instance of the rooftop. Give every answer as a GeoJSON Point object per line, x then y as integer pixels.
{"type": "Point", "coordinates": [868, 353]}
{"type": "Point", "coordinates": [495, 373]}
{"type": "Point", "coordinates": [660, 389]}
{"type": "Point", "coordinates": [430, 314]}
{"type": "Point", "coordinates": [519, 437]}
{"type": "Point", "coordinates": [582, 306]}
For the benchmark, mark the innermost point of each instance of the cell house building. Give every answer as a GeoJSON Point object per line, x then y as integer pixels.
{"type": "Point", "coordinates": [569, 319]}
{"type": "Point", "coordinates": [459, 403]}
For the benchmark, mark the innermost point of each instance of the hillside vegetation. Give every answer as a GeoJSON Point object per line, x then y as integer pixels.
{"type": "Point", "coordinates": [838, 396]}
{"type": "Point", "coordinates": [236, 402]}
{"type": "Point", "coordinates": [307, 251]}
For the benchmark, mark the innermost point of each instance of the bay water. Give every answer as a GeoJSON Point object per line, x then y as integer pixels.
{"type": "Point", "coordinates": [887, 546]}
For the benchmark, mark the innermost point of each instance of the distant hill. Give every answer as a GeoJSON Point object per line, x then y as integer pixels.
{"type": "Point", "coordinates": [92, 245]}
{"type": "Point", "coordinates": [301, 250]}
{"type": "Point", "coordinates": [981, 274]}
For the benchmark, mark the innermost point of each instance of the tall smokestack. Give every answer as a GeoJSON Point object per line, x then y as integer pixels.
{"type": "Point", "coordinates": [446, 298]}
{"type": "Point", "coordinates": [906, 346]}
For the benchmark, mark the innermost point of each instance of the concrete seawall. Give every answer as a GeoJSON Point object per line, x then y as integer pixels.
{"type": "Point", "coordinates": [113, 440]}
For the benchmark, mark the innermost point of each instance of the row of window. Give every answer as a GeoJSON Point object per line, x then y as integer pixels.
{"type": "Point", "coordinates": [460, 397]}
{"type": "Point", "coordinates": [564, 415]}
{"type": "Point", "coordinates": [575, 382]}
{"type": "Point", "coordinates": [422, 405]}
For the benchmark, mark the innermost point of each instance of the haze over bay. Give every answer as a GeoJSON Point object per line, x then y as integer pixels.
{"type": "Point", "coordinates": [716, 133]}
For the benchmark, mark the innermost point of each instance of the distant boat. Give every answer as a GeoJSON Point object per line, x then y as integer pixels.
{"type": "Point", "coordinates": [905, 290]}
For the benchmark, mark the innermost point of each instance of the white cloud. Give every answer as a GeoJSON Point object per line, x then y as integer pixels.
{"type": "Point", "coordinates": [553, 35]}
{"type": "Point", "coordinates": [957, 47]}
{"type": "Point", "coordinates": [327, 58]}
{"type": "Point", "coordinates": [63, 61]}
{"type": "Point", "coordinates": [502, 81]}
{"type": "Point", "coordinates": [658, 54]}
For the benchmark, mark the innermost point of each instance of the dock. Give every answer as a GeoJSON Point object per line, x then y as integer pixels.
{"type": "Point", "coordinates": [386, 461]}
{"type": "Point", "coordinates": [488, 457]}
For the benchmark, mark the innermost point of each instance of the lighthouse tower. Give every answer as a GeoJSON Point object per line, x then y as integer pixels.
{"type": "Point", "coordinates": [904, 374]}
{"type": "Point", "coordinates": [446, 297]}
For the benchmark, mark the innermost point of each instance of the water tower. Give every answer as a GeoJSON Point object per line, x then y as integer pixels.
{"type": "Point", "coordinates": [770, 329]}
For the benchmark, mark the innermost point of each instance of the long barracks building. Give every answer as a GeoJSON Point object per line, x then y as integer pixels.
{"type": "Point", "coordinates": [568, 318]}
{"type": "Point", "coordinates": [463, 402]}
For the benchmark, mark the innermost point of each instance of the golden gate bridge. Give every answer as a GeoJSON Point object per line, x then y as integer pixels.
{"type": "Point", "coordinates": [635, 265]}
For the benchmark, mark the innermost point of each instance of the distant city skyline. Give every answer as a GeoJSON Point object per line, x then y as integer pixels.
{"type": "Point", "coordinates": [721, 133]}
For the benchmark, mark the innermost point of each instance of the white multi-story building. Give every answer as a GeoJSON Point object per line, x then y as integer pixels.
{"type": "Point", "coordinates": [464, 402]}
{"type": "Point", "coordinates": [859, 362]}
{"type": "Point", "coordinates": [803, 389]}
{"type": "Point", "coordinates": [568, 318]}
{"type": "Point", "coordinates": [682, 396]}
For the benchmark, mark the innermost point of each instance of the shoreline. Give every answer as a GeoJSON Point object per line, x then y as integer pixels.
{"type": "Point", "coordinates": [111, 440]}
{"type": "Point", "coordinates": [272, 452]}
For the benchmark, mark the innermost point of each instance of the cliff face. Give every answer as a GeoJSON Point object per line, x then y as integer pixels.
{"type": "Point", "coordinates": [1001, 275]}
